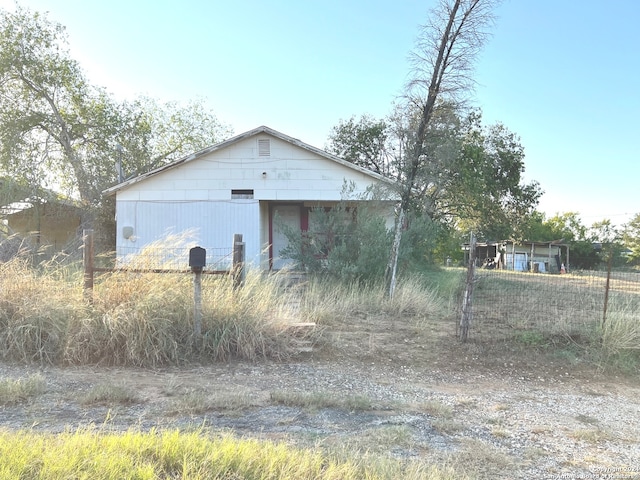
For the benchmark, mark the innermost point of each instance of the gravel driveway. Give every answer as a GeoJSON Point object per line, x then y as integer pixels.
{"type": "Point", "coordinates": [511, 422]}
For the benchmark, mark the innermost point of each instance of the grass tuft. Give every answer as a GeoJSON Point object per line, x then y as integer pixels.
{"type": "Point", "coordinates": [437, 409]}
{"type": "Point", "coordinates": [620, 339]}
{"type": "Point", "coordinates": [194, 402]}
{"type": "Point", "coordinates": [14, 391]}
{"type": "Point", "coordinates": [318, 400]}
{"type": "Point", "coordinates": [110, 394]}
{"type": "Point", "coordinates": [591, 435]}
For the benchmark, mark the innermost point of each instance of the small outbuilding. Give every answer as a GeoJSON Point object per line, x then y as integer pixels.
{"type": "Point", "coordinates": [240, 185]}
{"type": "Point", "coordinates": [538, 257]}
{"type": "Point", "coordinates": [52, 223]}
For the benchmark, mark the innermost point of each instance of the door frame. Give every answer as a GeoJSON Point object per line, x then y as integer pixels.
{"type": "Point", "coordinates": [304, 222]}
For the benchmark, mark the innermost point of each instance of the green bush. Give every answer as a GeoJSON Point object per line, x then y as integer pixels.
{"type": "Point", "coordinates": [342, 242]}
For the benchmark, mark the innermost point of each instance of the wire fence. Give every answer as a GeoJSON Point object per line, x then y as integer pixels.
{"type": "Point", "coordinates": [507, 302]}
{"type": "Point", "coordinates": [160, 258]}
{"type": "Point", "coordinates": [168, 258]}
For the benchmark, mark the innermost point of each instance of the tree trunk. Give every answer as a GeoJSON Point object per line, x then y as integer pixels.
{"type": "Point", "coordinates": [392, 266]}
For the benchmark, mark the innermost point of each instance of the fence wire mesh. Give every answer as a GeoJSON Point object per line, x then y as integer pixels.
{"type": "Point", "coordinates": [507, 302]}
{"type": "Point", "coordinates": [167, 258]}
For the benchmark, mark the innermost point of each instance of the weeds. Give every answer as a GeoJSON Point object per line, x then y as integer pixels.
{"type": "Point", "coordinates": [591, 435]}
{"type": "Point", "coordinates": [109, 394]}
{"type": "Point", "coordinates": [141, 319]}
{"type": "Point", "coordinates": [318, 400]}
{"type": "Point", "coordinates": [620, 339]}
{"type": "Point", "coordinates": [437, 409]}
{"type": "Point", "coordinates": [331, 302]}
{"type": "Point", "coordinates": [194, 402]}
{"type": "Point", "coordinates": [19, 390]}
{"type": "Point", "coordinates": [480, 460]}
{"type": "Point", "coordinates": [371, 441]}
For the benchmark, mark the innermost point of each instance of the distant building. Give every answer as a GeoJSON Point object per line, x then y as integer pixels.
{"type": "Point", "coordinates": [540, 257]}
{"type": "Point", "coordinates": [52, 222]}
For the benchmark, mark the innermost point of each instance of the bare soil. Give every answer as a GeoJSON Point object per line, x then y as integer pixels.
{"type": "Point", "coordinates": [489, 410]}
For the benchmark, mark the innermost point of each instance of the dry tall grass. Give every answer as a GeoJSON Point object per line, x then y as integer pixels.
{"type": "Point", "coordinates": [139, 319]}
{"type": "Point", "coordinates": [35, 310]}
{"type": "Point", "coordinates": [620, 337]}
{"type": "Point", "coordinates": [330, 302]}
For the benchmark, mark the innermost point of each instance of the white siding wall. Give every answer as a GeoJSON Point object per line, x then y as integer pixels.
{"type": "Point", "coordinates": [213, 225]}
{"type": "Point", "coordinates": [292, 173]}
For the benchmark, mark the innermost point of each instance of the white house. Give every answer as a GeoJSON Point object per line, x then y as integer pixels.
{"type": "Point", "coordinates": [236, 186]}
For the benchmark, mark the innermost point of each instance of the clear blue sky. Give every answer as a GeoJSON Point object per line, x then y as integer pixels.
{"type": "Point", "coordinates": [562, 74]}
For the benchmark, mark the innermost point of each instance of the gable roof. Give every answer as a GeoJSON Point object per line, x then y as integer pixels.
{"type": "Point", "coordinates": [236, 139]}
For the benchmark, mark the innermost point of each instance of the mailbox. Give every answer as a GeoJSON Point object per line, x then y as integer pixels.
{"type": "Point", "coordinates": [197, 258]}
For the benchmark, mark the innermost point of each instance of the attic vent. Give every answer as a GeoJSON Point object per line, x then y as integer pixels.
{"type": "Point", "coordinates": [264, 147]}
{"type": "Point", "coordinates": [241, 194]}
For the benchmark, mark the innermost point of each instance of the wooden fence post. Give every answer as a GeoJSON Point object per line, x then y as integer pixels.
{"type": "Point", "coordinates": [467, 299]}
{"type": "Point", "coordinates": [197, 303]}
{"type": "Point", "coordinates": [237, 269]}
{"type": "Point", "coordinates": [88, 261]}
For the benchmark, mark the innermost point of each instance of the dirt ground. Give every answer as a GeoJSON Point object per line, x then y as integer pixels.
{"type": "Point", "coordinates": [489, 410]}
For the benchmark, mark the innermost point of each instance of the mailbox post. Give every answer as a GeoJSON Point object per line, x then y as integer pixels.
{"type": "Point", "coordinates": [197, 262]}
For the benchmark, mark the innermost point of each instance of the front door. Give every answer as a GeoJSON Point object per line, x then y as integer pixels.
{"type": "Point", "coordinates": [286, 215]}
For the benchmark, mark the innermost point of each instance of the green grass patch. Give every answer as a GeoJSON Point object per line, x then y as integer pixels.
{"type": "Point", "coordinates": [172, 454]}
{"type": "Point", "coordinates": [531, 338]}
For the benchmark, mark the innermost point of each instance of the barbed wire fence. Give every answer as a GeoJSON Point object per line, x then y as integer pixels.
{"type": "Point", "coordinates": [503, 303]}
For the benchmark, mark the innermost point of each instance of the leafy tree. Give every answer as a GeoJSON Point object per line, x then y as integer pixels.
{"type": "Point", "coordinates": [473, 179]}
{"type": "Point", "coordinates": [163, 132]}
{"type": "Point", "coordinates": [566, 226]}
{"type": "Point", "coordinates": [52, 122]}
{"type": "Point", "coordinates": [364, 142]}
{"type": "Point", "coordinates": [481, 187]}
{"type": "Point", "coordinates": [59, 131]}
{"type": "Point", "coordinates": [607, 239]}
{"type": "Point", "coordinates": [590, 247]}
{"type": "Point", "coordinates": [442, 64]}
{"type": "Point", "coordinates": [631, 239]}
